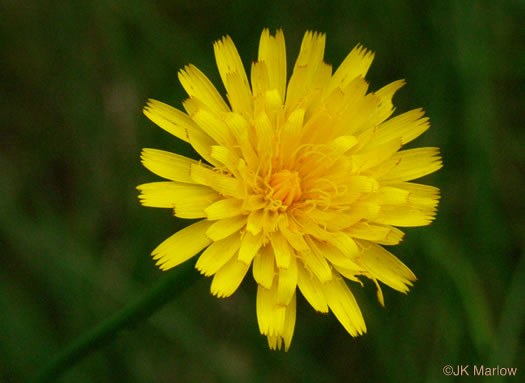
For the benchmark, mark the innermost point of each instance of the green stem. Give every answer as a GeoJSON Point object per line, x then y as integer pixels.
{"type": "Point", "coordinates": [168, 288]}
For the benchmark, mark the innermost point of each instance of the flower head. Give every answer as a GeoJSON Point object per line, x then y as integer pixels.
{"type": "Point", "coordinates": [303, 182]}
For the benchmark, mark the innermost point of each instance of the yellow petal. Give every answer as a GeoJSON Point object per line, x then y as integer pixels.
{"type": "Point", "coordinates": [346, 100]}
{"type": "Point", "coordinates": [315, 261]}
{"type": "Point", "coordinates": [407, 126]}
{"type": "Point", "coordinates": [384, 234]}
{"type": "Point", "coordinates": [254, 202]}
{"type": "Point", "coordinates": [191, 210]}
{"type": "Point", "coordinates": [342, 144]}
{"type": "Point", "coordinates": [245, 137]}
{"type": "Point", "coordinates": [270, 220]}
{"type": "Point", "coordinates": [394, 237]}
{"type": "Point", "coordinates": [344, 242]}
{"type": "Point", "coordinates": [226, 157]}
{"type": "Point", "coordinates": [281, 249]}
{"type": "Point", "coordinates": [167, 165]}
{"type": "Point", "coordinates": [170, 119]}
{"type": "Point", "coordinates": [420, 190]}
{"type": "Point", "coordinates": [186, 200]}
{"type": "Point", "coordinates": [228, 278]}
{"type": "Point", "coordinates": [389, 195]}
{"type": "Point", "coordinates": [214, 126]}
{"type": "Point", "coordinates": [362, 184]}
{"type": "Point", "coordinates": [291, 135]}
{"type": "Point", "coordinates": [380, 296]}
{"type": "Point", "coordinates": [182, 245]}
{"type": "Point", "coordinates": [386, 267]}
{"type": "Point", "coordinates": [406, 215]}
{"type": "Point", "coordinates": [273, 106]}
{"type": "Point", "coordinates": [263, 267]}
{"type": "Point", "coordinates": [309, 60]}
{"type": "Point", "coordinates": [224, 184]}
{"type": "Point", "coordinates": [265, 138]}
{"type": "Point", "coordinates": [260, 82]}
{"type": "Point", "coordinates": [289, 323]}
{"type": "Point", "coordinates": [307, 88]}
{"type": "Point", "coordinates": [233, 74]}
{"type": "Point", "coordinates": [270, 315]}
{"type": "Point", "coordinates": [217, 254]}
{"type": "Point", "coordinates": [239, 95]}
{"type": "Point", "coordinates": [167, 194]}
{"type": "Point", "coordinates": [311, 288]}
{"type": "Point", "coordinates": [423, 196]}
{"type": "Point", "coordinates": [308, 225]}
{"type": "Point", "coordinates": [315, 128]}
{"type": "Point", "coordinates": [410, 164]}
{"type": "Point", "coordinates": [352, 274]}
{"type": "Point", "coordinates": [272, 51]}
{"type": "Point", "coordinates": [370, 158]}
{"type": "Point", "coordinates": [287, 283]}
{"type": "Point", "coordinates": [364, 136]}
{"type": "Point", "coordinates": [356, 64]}
{"type": "Point", "coordinates": [250, 245]}
{"type": "Point", "coordinates": [358, 114]}
{"type": "Point", "coordinates": [384, 95]}
{"type": "Point", "coordinates": [255, 222]}
{"type": "Point", "coordinates": [312, 49]}
{"type": "Point", "coordinates": [411, 204]}
{"type": "Point", "coordinates": [200, 140]}
{"type": "Point", "coordinates": [199, 86]}
{"type": "Point", "coordinates": [344, 306]}
{"type": "Point", "coordinates": [224, 208]}
{"type": "Point", "coordinates": [337, 257]}
{"type": "Point", "coordinates": [295, 239]}
{"type": "Point", "coordinates": [362, 210]}
{"type": "Point", "coordinates": [225, 227]}
{"type": "Point", "coordinates": [333, 221]}
{"type": "Point", "coordinates": [319, 79]}
{"type": "Point", "coordinates": [275, 341]}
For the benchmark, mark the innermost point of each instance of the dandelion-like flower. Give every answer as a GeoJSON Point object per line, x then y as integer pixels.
{"type": "Point", "coordinates": [303, 182]}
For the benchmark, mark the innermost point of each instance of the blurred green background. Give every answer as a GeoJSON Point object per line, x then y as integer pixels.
{"type": "Point", "coordinates": [76, 243]}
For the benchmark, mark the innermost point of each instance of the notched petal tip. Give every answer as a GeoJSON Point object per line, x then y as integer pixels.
{"type": "Point", "coordinates": [147, 107]}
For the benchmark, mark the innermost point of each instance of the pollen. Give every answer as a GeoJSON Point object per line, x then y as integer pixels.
{"type": "Point", "coordinates": [286, 186]}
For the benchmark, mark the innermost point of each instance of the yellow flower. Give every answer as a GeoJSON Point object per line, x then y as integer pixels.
{"type": "Point", "coordinates": [303, 182]}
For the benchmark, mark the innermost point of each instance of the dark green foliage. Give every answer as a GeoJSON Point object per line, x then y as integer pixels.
{"type": "Point", "coordinates": [76, 243]}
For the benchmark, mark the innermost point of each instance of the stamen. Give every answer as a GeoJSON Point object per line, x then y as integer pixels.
{"type": "Point", "coordinates": [286, 187]}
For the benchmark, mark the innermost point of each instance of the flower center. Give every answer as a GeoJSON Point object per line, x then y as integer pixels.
{"type": "Point", "coordinates": [286, 186]}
